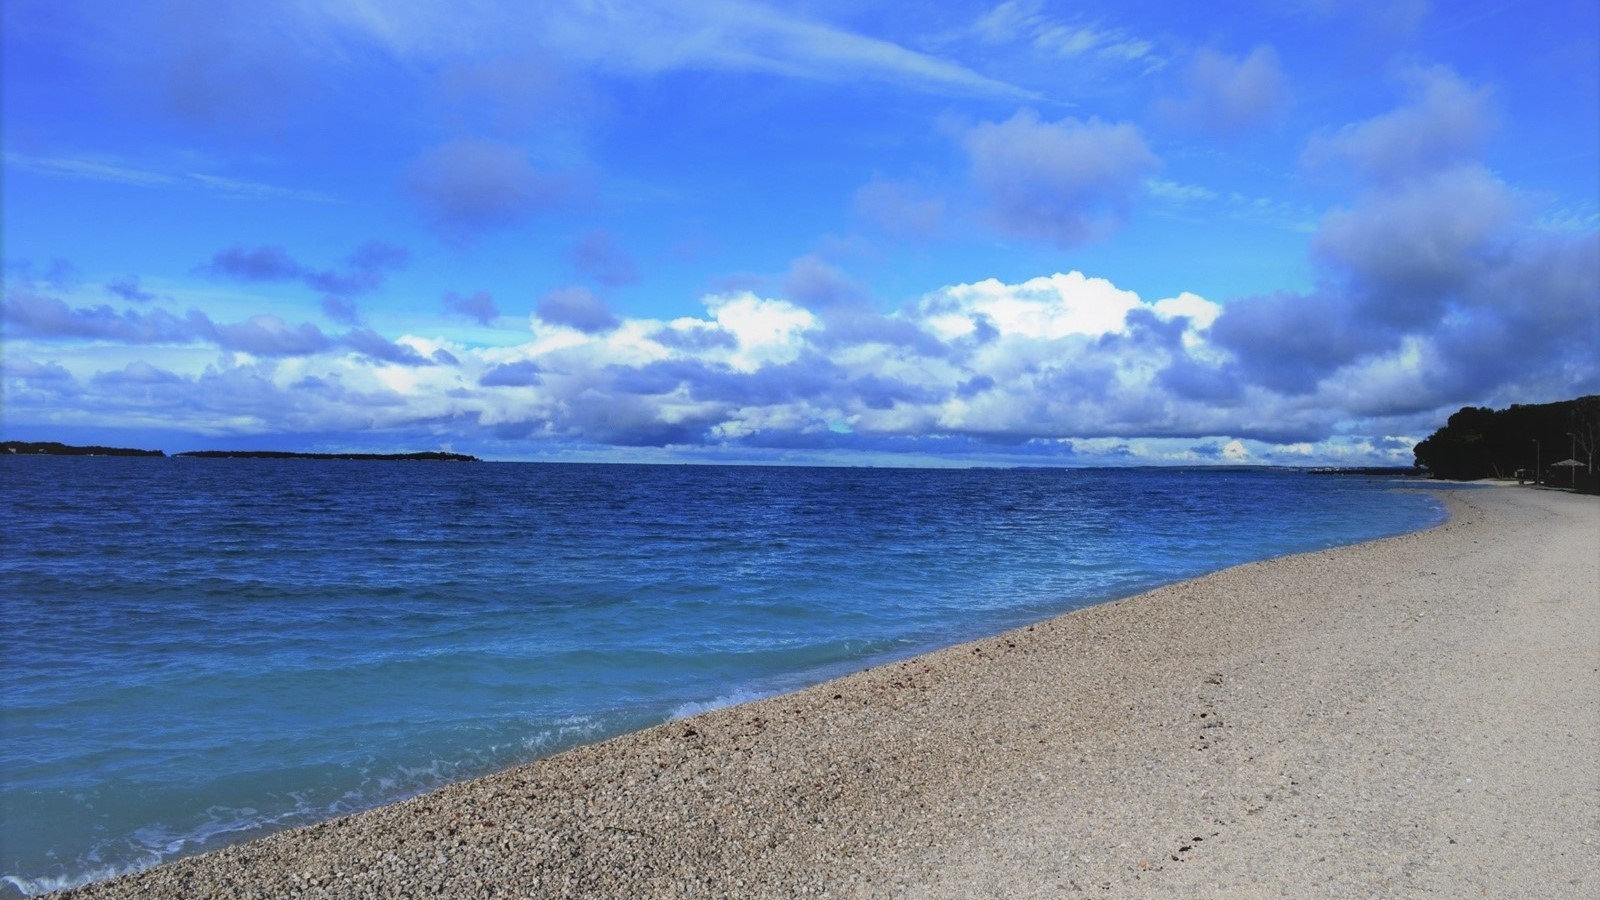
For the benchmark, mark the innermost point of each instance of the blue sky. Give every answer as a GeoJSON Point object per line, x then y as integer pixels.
{"type": "Point", "coordinates": [837, 232]}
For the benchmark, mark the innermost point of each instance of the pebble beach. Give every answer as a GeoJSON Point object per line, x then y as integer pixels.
{"type": "Point", "coordinates": [1418, 715]}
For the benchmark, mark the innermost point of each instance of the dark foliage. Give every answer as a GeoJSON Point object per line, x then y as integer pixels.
{"type": "Point", "coordinates": [52, 448]}
{"type": "Point", "coordinates": [1478, 442]}
{"type": "Point", "coordinates": [284, 454]}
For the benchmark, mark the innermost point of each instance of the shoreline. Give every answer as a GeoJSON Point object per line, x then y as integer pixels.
{"type": "Point", "coordinates": [1285, 726]}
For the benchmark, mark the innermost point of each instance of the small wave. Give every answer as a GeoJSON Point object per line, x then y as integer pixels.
{"type": "Point", "coordinates": [696, 707]}
{"type": "Point", "coordinates": [44, 884]}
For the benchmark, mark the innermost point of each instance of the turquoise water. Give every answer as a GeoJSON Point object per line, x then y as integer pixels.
{"type": "Point", "coordinates": [203, 651]}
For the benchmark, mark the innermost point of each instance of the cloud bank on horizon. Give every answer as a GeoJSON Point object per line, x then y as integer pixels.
{"type": "Point", "coordinates": [1016, 232]}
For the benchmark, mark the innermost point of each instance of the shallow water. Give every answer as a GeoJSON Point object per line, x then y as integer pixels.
{"type": "Point", "coordinates": [201, 651]}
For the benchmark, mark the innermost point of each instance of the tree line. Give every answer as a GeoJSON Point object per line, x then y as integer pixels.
{"type": "Point", "coordinates": [1524, 439]}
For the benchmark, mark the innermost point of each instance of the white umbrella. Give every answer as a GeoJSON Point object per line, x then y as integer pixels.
{"type": "Point", "coordinates": [1572, 464]}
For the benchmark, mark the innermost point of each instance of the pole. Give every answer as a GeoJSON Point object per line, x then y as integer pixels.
{"type": "Point", "coordinates": [1536, 465]}
{"type": "Point", "coordinates": [1573, 470]}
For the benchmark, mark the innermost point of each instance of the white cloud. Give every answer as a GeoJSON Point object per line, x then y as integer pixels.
{"type": "Point", "coordinates": [1044, 308]}
{"type": "Point", "coordinates": [767, 331]}
{"type": "Point", "coordinates": [1034, 369]}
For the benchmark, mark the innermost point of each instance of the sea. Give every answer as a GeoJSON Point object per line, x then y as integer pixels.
{"type": "Point", "coordinates": [203, 651]}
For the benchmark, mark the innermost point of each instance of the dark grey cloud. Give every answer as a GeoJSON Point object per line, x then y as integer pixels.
{"type": "Point", "coordinates": [974, 386]}
{"type": "Point", "coordinates": [29, 313]}
{"type": "Point", "coordinates": [270, 336]}
{"type": "Point", "coordinates": [1213, 385]}
{"type": "Point", "coordinates": [1287, 342]}
{"type": "Point", "coordinates": [1535, 317]}
{"type": "Point", "coordinates": [365, 269]}
{"type": "Point", "coordinates": [445, 358]}
{"type": "Point", "coordinates": [694, 340]}
{"type": "Point", "coordinates": [1407, 249]}
{"type": "Point", "coordinates": [854, 327]}
{"type": "Point", "coordinates": [1492, 305]}
{"type": "Point", "coordinates": [342, 310]}
{"type": "Point", "coordinates": [806, 379]}
{"type": "Point", "coordinates": [468, 186]}
{"type": "Point", "coordinates": [479, 306]}
{"type": "Point", "coordinates": [1432, 259]}
{"type": "Point", "coordinates": [576, 307]}
{"type": "Point", "coordinates": [128, 289]}
{"type": "Point", "coordinates": [32, 370]}
{"type": "Point", "coordinates": [627, 421]}
{"type": "Point", "coordinates": [525, 373]}
{"type": "Point", "coordinates": [371, 344]}
{"type": "Point", "coordinates": [260, 264]}
{"type": "Point", "coordinates": [138, 373]}
{"type": "Point", "coordinates": [597, 257]}
{"type": "Point", "coordinates": [1065, 182]}
{"type": "Point", "coordinates": [1227, 96]}
{"type": "Point", "coordinates": [845, 308]}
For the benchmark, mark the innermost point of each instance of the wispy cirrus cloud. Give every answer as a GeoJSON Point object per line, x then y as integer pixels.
{"type": "Point", "coordinates": [1027, 22]}
{"type": "Point", "coordinates": [644, 37]}
{"type": "Point", "coordinates": [90, 169]}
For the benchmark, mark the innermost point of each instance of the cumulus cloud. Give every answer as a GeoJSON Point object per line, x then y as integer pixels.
{"type": "Point", "coordinates": [468, 186]}
{"type": "Point", "coordinates": [576, 307]}
{"type": "Point", "coordinates": [523, 373]}
{"type": "Point", "coordinates": [1444, 122]}
{"type": "Point", "coordinates": [128, 289]}
{"type": "Point", "coordinates": [376, 346]}
{"type": "Point", "coordinates": [269, 336]}
{"type": "Point", "coordinates": [27, 313]}
{"type": "Point", "coordinates": [1226, 96]}
{"type": "Point", "coordinates": [1434, 290]}
{"type": "Point", "coordinates": [1407, 249]}
{"type": "Point", "coordinates": [480, 306]}
{"type": "Point", "coordinates": [365, 270]}
{"type": "Point", "coordinates": [1065, 364]}
{"type": "Point", "coordinates": [1065, 181]}
{"type": "Point", "coordinates": [32, 314]}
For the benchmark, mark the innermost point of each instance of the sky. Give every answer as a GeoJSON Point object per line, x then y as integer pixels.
{"type": "Point", "coordinates": [817, 232]}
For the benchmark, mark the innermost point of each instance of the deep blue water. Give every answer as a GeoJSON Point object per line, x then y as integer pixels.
{"type": "Point", "coordinates": [201, 651]}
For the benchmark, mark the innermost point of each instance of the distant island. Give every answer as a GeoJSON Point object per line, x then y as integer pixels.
{"type": "Point", "coordinates": [430, 455]}
{"type": "Point", "coordinates": [53, 448]}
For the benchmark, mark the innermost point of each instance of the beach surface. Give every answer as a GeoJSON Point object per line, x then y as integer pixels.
{"type": "Point", "coordinates": [1413, 716]}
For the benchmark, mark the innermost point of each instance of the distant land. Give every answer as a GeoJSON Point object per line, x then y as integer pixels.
{"type": "Point", "coordinates": [52, 448]}
{"type": "Point", "coordinates": [429, 455]}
